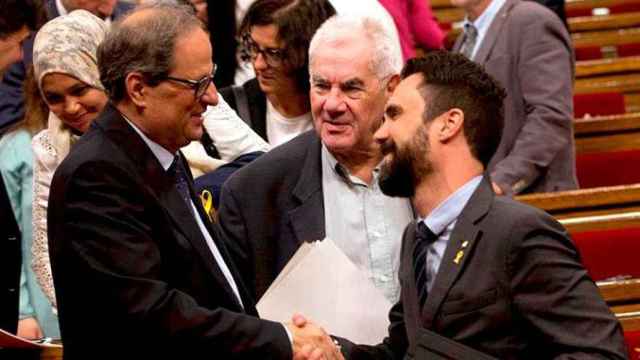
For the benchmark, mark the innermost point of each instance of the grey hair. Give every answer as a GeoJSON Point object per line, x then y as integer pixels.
{"type": "Point", "coordinates": [144, 44]}
{"type": "Point", "coordinates": [386, 59]}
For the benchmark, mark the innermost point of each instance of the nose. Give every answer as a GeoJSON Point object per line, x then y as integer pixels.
{"type": "Point", "coordinates": [260, 63]}
{"type": "Point", "coordinates": [71, 106]}
{"type": "Point", "coordinates": [334, 103]}
{"type": "Point", "coordinates": [382, 134]}
{"type": "Point", "coordinates": [210, 97]}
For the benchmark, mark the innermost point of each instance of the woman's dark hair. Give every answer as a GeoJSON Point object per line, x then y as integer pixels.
{"type": "Point", "coordinates": [297, 21]}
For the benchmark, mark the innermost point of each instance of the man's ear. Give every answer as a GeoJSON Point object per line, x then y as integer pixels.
{"type": "Point", "coordinates": [393, 82]}
{"type": "Point", "coordinates": [451, 123]}
{"type": "Point", "coordinates": [136, 88]}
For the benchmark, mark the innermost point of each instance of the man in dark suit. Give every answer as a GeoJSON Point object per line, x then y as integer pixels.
{"type": "Point", "coordinates": [11, 93]}
{"type": "Point", "coordinates": [528, 50]}
{"type": "Point", "coordinates": [483, 272]}
{"type": "Point", "coordinates": [323, 183]}
{"type": "Point", "coordinates": [139, 270]}
{"type": "Point", "coordinates": [18, 17]}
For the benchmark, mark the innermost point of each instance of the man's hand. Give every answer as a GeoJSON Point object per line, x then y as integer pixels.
{"type": "Point", "coordinates": [311, 342]}
{"type": "Point", "coordinates": [28, 328]}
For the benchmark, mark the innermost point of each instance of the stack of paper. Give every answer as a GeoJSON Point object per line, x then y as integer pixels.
{"type": "Point", "coordinates": [321, 283]}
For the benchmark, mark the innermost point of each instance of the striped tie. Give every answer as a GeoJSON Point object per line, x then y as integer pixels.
{"type": "Point", "coordinates": [178, 173]}
{"type": "Point", "coordinates": [469, 42]}
{"type": "Point", "coordinates": [424, 238]}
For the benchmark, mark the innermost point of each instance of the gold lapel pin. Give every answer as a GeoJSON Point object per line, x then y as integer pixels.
{"type": "Point", "coordinates": [459, 256]}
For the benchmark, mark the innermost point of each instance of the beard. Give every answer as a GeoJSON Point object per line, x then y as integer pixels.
{"type": "Point", "coordinates": [408, 166]}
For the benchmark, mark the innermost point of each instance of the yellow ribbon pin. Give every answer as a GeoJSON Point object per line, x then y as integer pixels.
{"type": "Point", "coordinates": [207, 203]}
{"type": "Point", "coordinates": [459, 256]}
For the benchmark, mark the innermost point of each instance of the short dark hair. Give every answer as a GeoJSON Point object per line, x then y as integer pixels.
{"type": "Point", "coordinates": [297, 21]}
{"type": "Point", "coordinates": [453, 81]}
{"type": "Point", "coordinates": [144, 45]}
{"type": "Point", "coordinates": [19, 13]}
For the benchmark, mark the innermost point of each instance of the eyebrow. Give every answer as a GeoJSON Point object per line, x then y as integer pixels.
{"type": "Point", "coordinates": [353, 83]}
{"type": "Point", "coordinates": [318, 79]}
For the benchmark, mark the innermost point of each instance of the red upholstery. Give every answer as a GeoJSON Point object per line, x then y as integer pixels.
{"type": "Point", "coordinates": [632, 338]}
{"type": "Point", "coordinates": [628, 50]}
{"type": "Point", "coordinates": [608, 168]}
{"type": "Point", "coordinates": [588, 53]}
{"type": "Point", "coordinates": [608, 103]}
{"type": "Point", "coordinates": [608, 253]}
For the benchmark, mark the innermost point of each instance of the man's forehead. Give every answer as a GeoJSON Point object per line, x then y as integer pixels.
{"type": "Point", "coordinates": [407, 90]}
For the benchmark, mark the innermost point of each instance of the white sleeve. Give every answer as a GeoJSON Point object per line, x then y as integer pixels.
{"type": "Point", "coordinates": [231, 136]}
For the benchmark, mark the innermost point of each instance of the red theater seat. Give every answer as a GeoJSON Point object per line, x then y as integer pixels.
{"type": "Point", "coordinates": [628, 50]}
{"type": "Point", "coordinates": [588, 53]}
{"type": "Point", "coordinates": [606, 103]}
{"type": "Point", "coordinates": [609, 253]}
{"type": "Point", "coordinates": [632, 338]}
{"type": "Point", "coordinates": [608, 168]}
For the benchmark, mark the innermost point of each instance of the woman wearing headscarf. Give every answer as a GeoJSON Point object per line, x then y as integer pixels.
{"type": "Point", "coordinates": [65, 67]}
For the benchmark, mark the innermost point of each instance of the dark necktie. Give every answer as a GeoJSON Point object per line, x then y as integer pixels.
{"type": "Point", "coordinates": [179, 175]}
{"type": "Point", "coordinates": [424, 238]}
{"type": "Point", "coordinates": [469, 41]}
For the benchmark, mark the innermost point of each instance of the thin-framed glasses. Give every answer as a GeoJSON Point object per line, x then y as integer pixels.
{"type": "Point", "coordinates": [272, 56]}
{"type": "Point", "coordinates": [199, 86]}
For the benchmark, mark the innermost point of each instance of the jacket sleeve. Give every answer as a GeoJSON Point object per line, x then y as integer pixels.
{"type": "Point", "coordinates": [12, 95]}
{"type": "Point", "coordinates": [545, 73]}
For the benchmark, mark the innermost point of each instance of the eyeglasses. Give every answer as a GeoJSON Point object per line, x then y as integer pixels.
{"type": "Point", "coordinates": [272, 56]}
{"type": "Point", "coordinates": [199, 86]}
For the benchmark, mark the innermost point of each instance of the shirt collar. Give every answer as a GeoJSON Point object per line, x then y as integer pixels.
{"type": "Point", "coordinates": [485, 19]}
{"type": "Point", "coordinates": [342, 172]}
{"type": "Point", "coordinates": [449, 210]}
{"type": "Point", "coordinates": [164, 157]}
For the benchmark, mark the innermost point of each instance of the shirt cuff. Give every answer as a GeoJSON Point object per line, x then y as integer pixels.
{"type": "Point", "coordinates": [289, 335]}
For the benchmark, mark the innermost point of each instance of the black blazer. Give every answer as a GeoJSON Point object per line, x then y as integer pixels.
{"type": "Point", "coordinates": [517, 291]}
{"type": "Point", "coordinates": [257, 102]}
{"type": "Point", "coordinates": [269, 207]}
{"type": "Point", "coordinates": [10, 263]}
{"type": "Point", "coordinates": [133, 274]}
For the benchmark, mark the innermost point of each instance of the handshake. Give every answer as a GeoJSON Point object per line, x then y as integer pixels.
{"type": "Point", "coordinates": [310, 341]}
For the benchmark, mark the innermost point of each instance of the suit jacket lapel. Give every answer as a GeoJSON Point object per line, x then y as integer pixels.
{"type": "Point", "coordinates": [162, 186]}
{"type": "Point", "coordinates": [464, 237]}
{"type": "Point", "coordinates": [494, 31]}
{"type": "Point", "coordinates": [307, 219]}
{"type": "Point", "coordinates": [216, 236]}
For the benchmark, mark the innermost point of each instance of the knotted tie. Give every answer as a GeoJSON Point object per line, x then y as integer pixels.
{"type": "Point", "coordinates": [469, 42]}
{"type": "Point", "coordinates": [179, 175]}
{"type": "Point", "coordinates": [424, 238]}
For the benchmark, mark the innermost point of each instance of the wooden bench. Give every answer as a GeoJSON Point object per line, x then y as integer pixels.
{"type": "Point", "coordinates": [588, 68]}
{"type": "Point", "coordinates": [575, 8]}
{"type": "Point", "coordinates": [604, 22]}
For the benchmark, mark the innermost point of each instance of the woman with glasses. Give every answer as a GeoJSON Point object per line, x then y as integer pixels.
{"type": "Point", "coordinates": [275, 39]}
{"type": "Point", "coordinates": [66, 71]}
